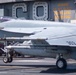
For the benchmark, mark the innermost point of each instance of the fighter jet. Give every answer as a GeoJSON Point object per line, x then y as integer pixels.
{"type": "Point", "coordinates": [45, 39]}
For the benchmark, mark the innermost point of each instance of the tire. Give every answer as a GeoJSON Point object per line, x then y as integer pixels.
{"type": "Point", "coordinates": [10, 59]}
{"type": "Point", "coordinates": [61, 63]}
{"type": "Point", "coordinates": [5, 59]}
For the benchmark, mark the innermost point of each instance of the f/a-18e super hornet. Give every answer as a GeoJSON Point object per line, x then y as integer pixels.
{"type": "Point", "coordinates": [45, 39]}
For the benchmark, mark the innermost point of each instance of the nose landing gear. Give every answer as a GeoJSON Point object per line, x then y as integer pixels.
{"type": "Point", "coordinates": [8, 58]}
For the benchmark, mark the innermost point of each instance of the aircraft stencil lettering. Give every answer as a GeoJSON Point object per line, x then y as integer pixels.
{"type": "Point", "coordinates": [71, 42]}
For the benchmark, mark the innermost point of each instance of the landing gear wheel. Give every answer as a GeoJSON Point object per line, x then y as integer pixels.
{"type": "Point", "coordinates": [5, 59]}
{"type": "Point", "coordinates": [61, 63]}
{"type": "Point", "coordinates": [10, 59]}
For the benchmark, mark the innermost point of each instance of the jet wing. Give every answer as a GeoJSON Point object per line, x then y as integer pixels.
{"type": "Point", "coordinates": [22, 30]}
{"type": "Point", "coordinates": [58, 36]}
{"type": "Point", "coordinates": [20, 38]}
{"type": "Point", "coordinates": [61, 36]}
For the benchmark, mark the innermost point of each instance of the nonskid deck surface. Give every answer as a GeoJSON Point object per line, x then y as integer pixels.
{"type": "Point", "coordinates": [35, 66]}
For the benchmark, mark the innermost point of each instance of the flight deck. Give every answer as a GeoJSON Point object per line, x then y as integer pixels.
{"type": "Point", "coordinates": [35, 66]}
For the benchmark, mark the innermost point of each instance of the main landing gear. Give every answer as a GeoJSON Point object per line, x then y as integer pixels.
{"type": "Point", "coordinates": [7, 58]}
{"type": "Point", "coordinates": [61, 63]}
